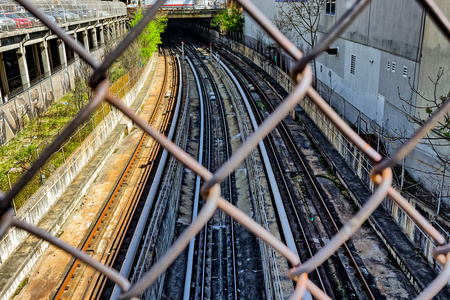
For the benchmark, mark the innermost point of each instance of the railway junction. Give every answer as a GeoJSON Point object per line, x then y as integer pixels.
{"type": "Point", "coordinates": [133, 200]}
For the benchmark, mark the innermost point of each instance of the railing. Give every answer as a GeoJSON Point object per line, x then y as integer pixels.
{"type": "Point", "coordinates": [90, 137]}
{"type": "Point", "coordinates": [381, 174]}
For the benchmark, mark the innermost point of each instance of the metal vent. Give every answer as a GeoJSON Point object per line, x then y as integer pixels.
{"type": "Point", "coordinates": [405, 71]}
{"type": "Point", "coordinates": [393, 66]}
{"type": "Point", "coordinates": [389, 65]}
{"type": "Point", "coordinates": [352, 64]}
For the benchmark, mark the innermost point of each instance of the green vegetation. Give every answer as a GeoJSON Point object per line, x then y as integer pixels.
{"type": "Point", "coordinates": [19, 153]}
{"type": "Point", "coordinates": [150, 38]}
{"type": "Point", "coordinates": [229, 20]}
{"type": "Point", "coordinates": [20, 287]}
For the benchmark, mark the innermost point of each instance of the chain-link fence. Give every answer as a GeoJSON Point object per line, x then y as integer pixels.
{"type": "Point", "coordinates": [381, 174]}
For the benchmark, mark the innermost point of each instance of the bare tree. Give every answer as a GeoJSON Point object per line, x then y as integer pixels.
{"type": "Point", "coordinates": [439, 138]}
{"type": "Point", "coordinates": [81, 92]}
{"type": "Point", "coordinates": [300, 21]}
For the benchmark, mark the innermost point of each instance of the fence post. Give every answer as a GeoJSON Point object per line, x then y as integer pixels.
{"type": "Point", "coordinates": [440, 191]}
{"type": "Point", "coordinates": [403, 174]}
{"type": "Point", "coordinates": [10, 188]}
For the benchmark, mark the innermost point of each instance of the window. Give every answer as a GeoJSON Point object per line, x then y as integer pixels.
{"type": "Point", "coordinates": [353, 64]}
{"type": "Point", "coordinates": [330, 7]}
{"type": "Point", "coordinates": [389, 65]}
{"type": "Point", "coordinates": [405, 71]}
{"type": "Point", "coordinates": [393, 67]}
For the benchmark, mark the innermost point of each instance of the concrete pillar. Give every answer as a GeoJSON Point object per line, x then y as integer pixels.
{"type": "Point", "coordinates": [62, 53]}
{"type": "Point", "coordinates": [86, 40]}
{"type": "Point", "coordinates": [23, 66]}
{"type": "Point", "coordinates": [94, 38]}
{"type": "Point", "coordinates": [45, 59]}
{"type": "Point", "coordinates": [395, 211]}
{"type": "Point", "coordinates": [75, 55]}
{"type": "Point", "coordinates": [102, 35]}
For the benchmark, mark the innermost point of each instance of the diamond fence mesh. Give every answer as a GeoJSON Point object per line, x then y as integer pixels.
{"type": "Point", "coordinates": [381, 174]}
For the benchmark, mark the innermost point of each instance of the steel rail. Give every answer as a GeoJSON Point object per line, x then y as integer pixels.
{"type": "Point", "coordinates": [311, 180]}
{"type": "Point", "coordinates": [384, 181]}
{"type": "Point", "coordinates": [166, 119]}
{"type": "Point", "coordinates": [277, 163]}
{"type": "Point", "coordinates": [152, 157]}
{"type": "Point", "coordinates": [131, 251]}
{"type": "Point", "coordinates": [230, 191]}
{"type": "Point", "coordinates": [188, 278]}
{"type": "Point", "coordinates": [111, 198]}
{"type": "Point", "coordinates": [289, 251]}
{"type": "Point", "coordinates": [205, 112]}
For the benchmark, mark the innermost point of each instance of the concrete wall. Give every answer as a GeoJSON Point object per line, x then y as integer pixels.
{"type": "Point", "coordinates": [435, 54]}
{"type": "Point", "coordinates": [377, 35]}
{"type": "Point", "coordinates": [38, 205]}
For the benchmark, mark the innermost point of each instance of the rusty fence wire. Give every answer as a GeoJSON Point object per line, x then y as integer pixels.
{"type": "Point", "coordinates": [381, 174]}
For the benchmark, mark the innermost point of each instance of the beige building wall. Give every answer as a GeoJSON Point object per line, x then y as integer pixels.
{"type": "Point", "coordinates": [435, 54]}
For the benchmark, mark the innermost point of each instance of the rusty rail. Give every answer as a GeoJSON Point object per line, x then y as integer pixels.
{"type": "Point", "coordinates": [302, 75]}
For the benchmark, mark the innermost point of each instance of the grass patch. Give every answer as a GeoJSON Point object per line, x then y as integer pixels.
{"type": "Point", "coordinates": [20, 287]}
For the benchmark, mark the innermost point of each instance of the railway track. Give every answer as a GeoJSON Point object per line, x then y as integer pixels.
{"type": "Point", "coordinates": [128, 216]}
{"type": "Point", "coordinates": [309, 181]}
{"type": "Point", "coordinates": [209, 260]}
{"type": "Point", "coordinates": [227, 190]}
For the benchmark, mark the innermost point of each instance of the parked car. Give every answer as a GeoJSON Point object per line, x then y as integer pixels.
{"type": "Point", "coordinates": [82, 14]}
{"type": "Point", "coordinates": [21, 21]}
{"type": "Point", "coordinates": [68, 16]}
{"type": "Point", "coordinates": [35, 21]}
{"type": "Point", "coordinates": [7, 24]}
{"type": "Point", "coordinates": [59, 17]}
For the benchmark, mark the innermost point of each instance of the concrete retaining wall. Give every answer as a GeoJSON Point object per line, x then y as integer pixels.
{"type": "Point", "coordinates": [48, 194]}
{"type": "Point", "coordinates": [357, 161]}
